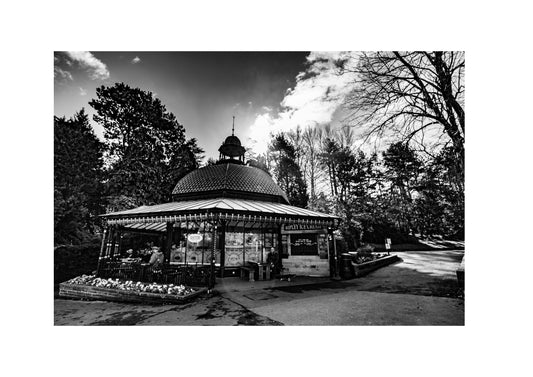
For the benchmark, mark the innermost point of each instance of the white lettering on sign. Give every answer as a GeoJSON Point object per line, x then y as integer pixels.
{"type": "Point", "coordinates": [303, 242]}
{"type": "Point", "coordinates": [387, 241]}
{"type": "Point", "coordinates": [387, 246]}
{"type": "Point", "coordinates": [194, 238]}
{"type": "Point", "coordinates": [301, 227]}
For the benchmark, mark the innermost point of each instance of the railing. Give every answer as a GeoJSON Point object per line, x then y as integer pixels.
{"type": "Point", "coordinates": [191, 275]}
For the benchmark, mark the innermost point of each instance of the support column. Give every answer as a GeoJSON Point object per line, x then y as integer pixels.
{"type": "Point", "coordinates": [101, 256]}
{"type": "Point", "coordinates": [212, 274]}
{"type": "Point", "coordinates": [280, 248]}
{"type": "Point", "coordinates": [110, 242]}
{"type": "Point", "coordinates": [243, 243]}
{"type": "Point", "coordinates": [203, 243]}
{"type": "Point", "coordinates": [118, 244]}
{"type": "Point", "coordinates": [330, 255]}
{"type": "Point", "coordinates": [263, 248]}
{"type": "Point", "coordinates": [222, 249]}
{"type": "Point", "coordinates": [176, 237]}
{"type": "Point", "coordinates": [168, 243]}
{"type": "Point", "coordinates": [336, 274]}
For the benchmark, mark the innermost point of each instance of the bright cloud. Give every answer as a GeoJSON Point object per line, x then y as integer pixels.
{"type": "Point", "coordinates": [135, 60]}
{"type": "Point", "coordinates": [96, 68]}
{"type": "Point", "coordinates": [61, 74]}
{"type": "Point", "coordinates": [83, 92]}
{"type": "Point", "coordinates": [318, 93]}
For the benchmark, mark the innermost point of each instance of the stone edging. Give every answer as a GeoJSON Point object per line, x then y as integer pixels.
{"type": "Point", "coordinates": [367, 267]}
{"type": "Point", "coordinates": [90, 292]}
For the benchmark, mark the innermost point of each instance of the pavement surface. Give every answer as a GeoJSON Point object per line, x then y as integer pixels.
{"type": "Point", "coordinates": [421, 289]}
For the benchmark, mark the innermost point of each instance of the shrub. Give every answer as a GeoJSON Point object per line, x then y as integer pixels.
{"type": "Point", "coordinates": [74, 260]}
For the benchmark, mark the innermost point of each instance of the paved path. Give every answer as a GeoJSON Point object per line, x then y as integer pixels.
{"type": "Point", "coordinates": [420, 290]}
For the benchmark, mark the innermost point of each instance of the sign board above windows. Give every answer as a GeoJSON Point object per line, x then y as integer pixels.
{"type": "Point", "coordinates": [303, 228]}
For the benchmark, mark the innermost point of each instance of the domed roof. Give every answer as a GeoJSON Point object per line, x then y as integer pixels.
{"type": "Point", "coordinates": [231, 181]}
{"type": "Point", "coordinates": [232, 140]}
{"type": "Point", "coordinates": [232, 148]}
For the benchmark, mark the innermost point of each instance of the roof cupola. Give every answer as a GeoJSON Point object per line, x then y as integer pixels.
{"type": "Point", "coordinates": [231, 150]}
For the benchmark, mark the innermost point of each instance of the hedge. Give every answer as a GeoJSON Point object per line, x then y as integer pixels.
{"type": "Point", "coordinates": [74, 260]}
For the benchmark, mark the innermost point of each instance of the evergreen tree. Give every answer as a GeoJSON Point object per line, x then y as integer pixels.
{"type": "Point", "coordinates": [77, 179]}
{"type": "Point", "coordinates": [147, 148]}
{"type": "Point", "coordinates": [287, 172]}
{"type": "Point", "coordinates": [402, 169]}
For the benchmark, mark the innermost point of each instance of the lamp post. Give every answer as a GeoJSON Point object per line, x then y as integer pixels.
{"type": "Point", "coordinates": [336, 276]}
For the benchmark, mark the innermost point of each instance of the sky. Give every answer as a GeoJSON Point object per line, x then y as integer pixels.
{"type": "Point", "coordinates": [267, 92]}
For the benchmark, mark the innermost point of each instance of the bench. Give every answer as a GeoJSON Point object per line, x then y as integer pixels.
{"type": "Point", "coordinates": [248, 268]}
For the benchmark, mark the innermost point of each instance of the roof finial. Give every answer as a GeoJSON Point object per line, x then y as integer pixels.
{"type": "Point", "coordinates": [233, 127]}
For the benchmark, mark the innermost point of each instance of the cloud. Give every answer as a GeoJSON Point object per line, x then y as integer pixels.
{"type": "Point", "coordinates": [135, 60]}
{"type": "Point", "coordinates": [62, 75]}
{"type": "Point", "coordinates": [318, 93]}
{"type": "Point", "coordinates": [96, 68]}
{"type": "Point", "coordinates": [83, 92]}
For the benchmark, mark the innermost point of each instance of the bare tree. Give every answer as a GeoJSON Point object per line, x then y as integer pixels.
{"type": "Point", "coordinates": [409, 92]}
{"type": "Point", "coordinates": [311, 141]}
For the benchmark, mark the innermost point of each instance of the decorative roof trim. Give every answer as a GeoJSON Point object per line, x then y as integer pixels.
{"type": "Point", "coordinates": [271, 220]}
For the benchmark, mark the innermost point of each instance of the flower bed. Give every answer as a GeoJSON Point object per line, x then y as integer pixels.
{"type": "Point", "coordinates": [365, 267]}
{"type": "Point", "coordinates": [94, 288]}
{"type": "Point", "coordinates": [359, 258]}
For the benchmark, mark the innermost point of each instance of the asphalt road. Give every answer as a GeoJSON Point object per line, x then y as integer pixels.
{"type": "Point", "coordinates": [420, 290]}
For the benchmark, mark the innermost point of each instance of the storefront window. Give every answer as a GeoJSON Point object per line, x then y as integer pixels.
{"type": "Point", "coordinates": [194, 245]}
{"type": "Point", "coordinates": [304, 244]}
{"type": "Point", "coordinates": [323, 246]}
{"type": "Point", "coordinates": [252, 246]}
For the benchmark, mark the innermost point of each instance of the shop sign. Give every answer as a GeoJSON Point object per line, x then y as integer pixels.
{"type": "Point", "coordinates": [194, 238]}
{"type": "Point", "coordinates": [304, 244]}
{"type": "Point", "coordinates": [302, 227]}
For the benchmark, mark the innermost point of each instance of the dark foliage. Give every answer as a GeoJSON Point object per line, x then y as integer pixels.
{"type": "Point", "coordinates": [75, 260]}
{"type": "Point", "coordinates": [287, 172]}
{"type": "Point", "coordinates": [77, 180]}
{"type": "Point", "coordinates": [147, 148]}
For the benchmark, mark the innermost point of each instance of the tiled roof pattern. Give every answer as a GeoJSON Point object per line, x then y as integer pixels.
{"type": "Point", "coordinates": [229, 177]}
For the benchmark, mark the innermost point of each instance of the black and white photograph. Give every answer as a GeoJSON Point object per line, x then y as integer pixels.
{"type": "Point", "coordinates": [219, 188]}
{"type": "Point", "coordinates": [229, 184]}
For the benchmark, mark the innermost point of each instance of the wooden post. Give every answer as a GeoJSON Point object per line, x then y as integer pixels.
{"type": "Point", "coordinates": [168, 243]}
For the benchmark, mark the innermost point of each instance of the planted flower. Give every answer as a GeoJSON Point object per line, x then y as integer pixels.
{"type": "Point", "coordinates": [129, 285]}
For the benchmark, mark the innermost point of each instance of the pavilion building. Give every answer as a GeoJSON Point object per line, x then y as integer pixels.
{"type": "Point", "coordinates": [227, 214]}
